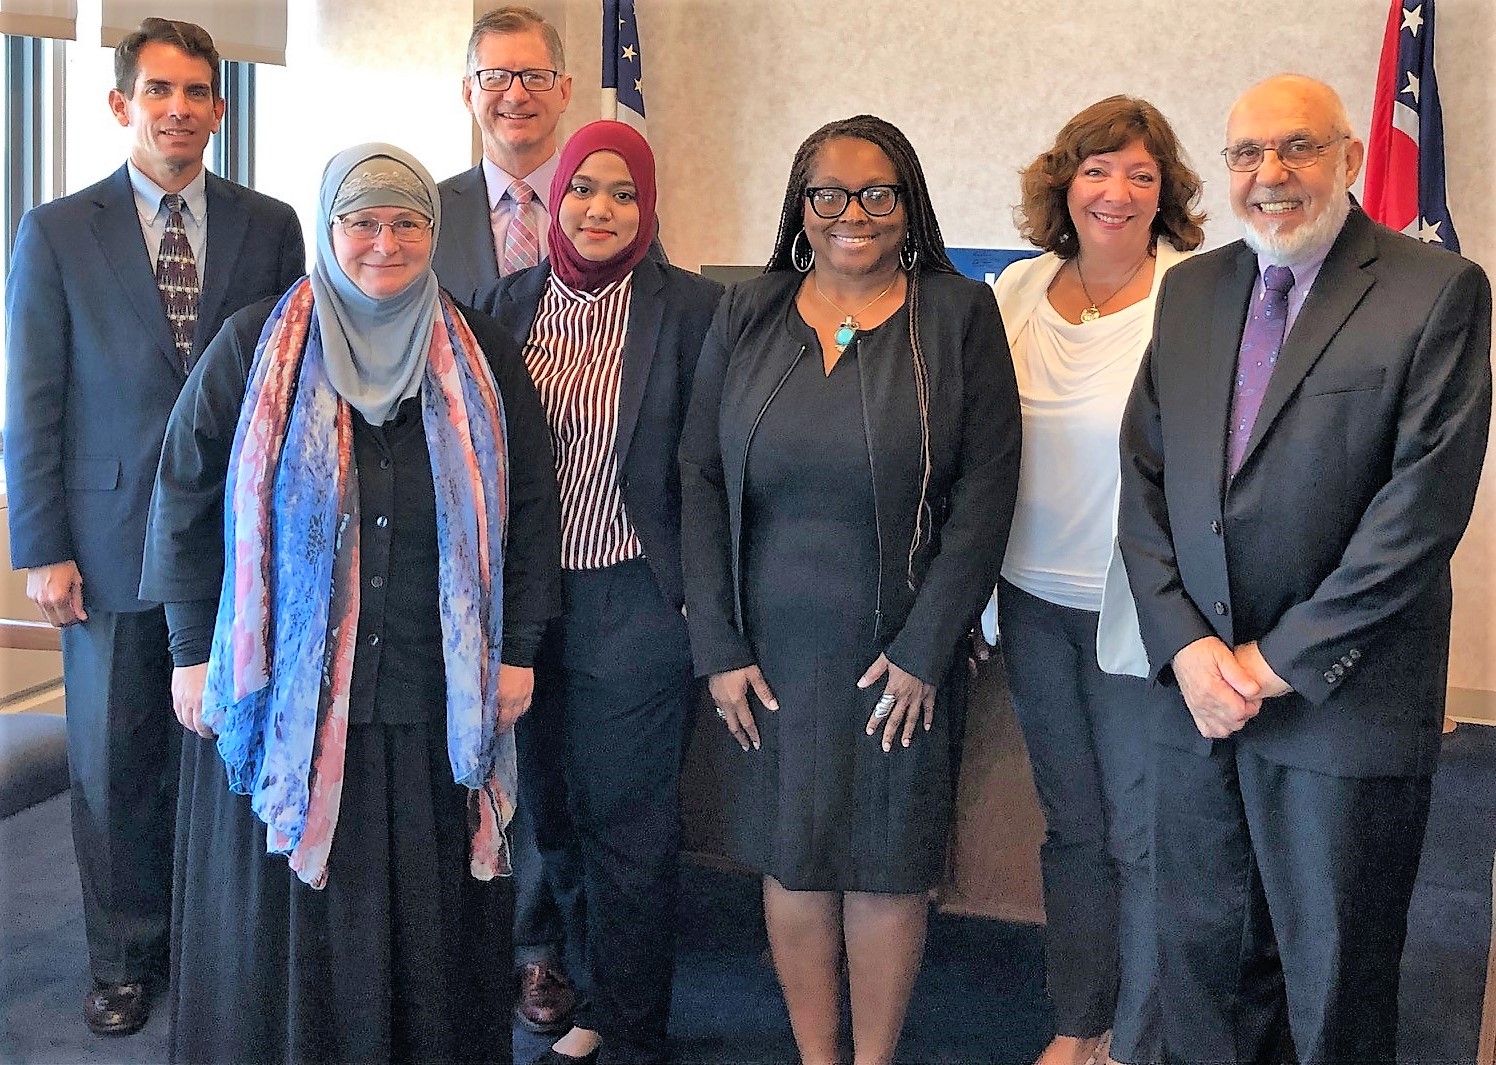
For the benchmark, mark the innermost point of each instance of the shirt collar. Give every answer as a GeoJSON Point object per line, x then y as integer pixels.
{"type": "Point", "coordinates": [498, 180]}
{"type": "Point", "coordinates": [574, 295]}
{"type": "Point", "coordinates": [148, 194]}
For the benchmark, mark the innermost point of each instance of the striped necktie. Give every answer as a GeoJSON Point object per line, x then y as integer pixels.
{"type": "Point", "coordinates": [521, 245]}
{"type": "Point", "coordinates": [176, 277]}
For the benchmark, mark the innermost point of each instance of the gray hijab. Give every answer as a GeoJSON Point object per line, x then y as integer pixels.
{"type": "Point", "coordinates": [374, 350]}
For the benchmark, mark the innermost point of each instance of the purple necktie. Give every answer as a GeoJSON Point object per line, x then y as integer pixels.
{"type": "Point", "coordinates": [1260, 343]}
{"type": "Point", "coordinates": [176, 277]}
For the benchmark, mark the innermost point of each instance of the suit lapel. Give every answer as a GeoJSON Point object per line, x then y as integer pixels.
{"type": "Point", "coordinates": [471, 216]}
{"type": "Point", "coordinates": [1340, 286]}
{"type": "Point", "coordinates": [641, 338]}
{"type": "Point", "coordinates": [519, 303]}
{"type": "Point", "coordinates": [228, 223]}
{"type": "Point", "coordinates": [116, 226]}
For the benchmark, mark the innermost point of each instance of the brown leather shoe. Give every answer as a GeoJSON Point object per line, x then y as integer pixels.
{"type": "Point", "coordinates": [116, 1009]}
{"type": "Point", "coordinates": [546, 998]}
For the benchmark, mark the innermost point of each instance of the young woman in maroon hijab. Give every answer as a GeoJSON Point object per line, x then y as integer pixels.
{"type": "Point", "coordinates": [611, 339]}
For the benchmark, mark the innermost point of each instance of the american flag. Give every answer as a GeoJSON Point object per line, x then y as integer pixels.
{"type": "Point", "coordinates": [1405, 157]}
{"type": "Point", "coordinates": [623, 75]}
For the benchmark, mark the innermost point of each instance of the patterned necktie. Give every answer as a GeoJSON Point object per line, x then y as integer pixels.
{"type": "Point", "coordinates": [176, 277]}
{"type": "Point", "coordinates": [521, 245]}
{"type": "Point", "coordinates": [1260, 343]}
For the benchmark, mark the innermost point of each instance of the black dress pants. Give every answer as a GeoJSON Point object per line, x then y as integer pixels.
{"type": "Point", "coordinates": [1283, 902]}
{"type": "Point", "coordinates": [123, 748]}
{"type": "Point", "coordinates": [601, 760]}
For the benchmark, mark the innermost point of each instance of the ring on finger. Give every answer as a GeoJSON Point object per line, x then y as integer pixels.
{"type": "Point", "coordinates": [884, 706]}
{"type": "Point", "coordinates": [721, 713]}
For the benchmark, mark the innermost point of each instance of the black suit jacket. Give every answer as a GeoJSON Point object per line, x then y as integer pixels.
{"type": "Point", "coordinates": [92, 371]}
{"type": "Point", "coordinates": [1331, 546]}
{"type": "Point", "coordinates": [669, 315]}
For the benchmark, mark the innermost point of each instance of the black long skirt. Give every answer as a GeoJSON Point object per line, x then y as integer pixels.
{"type": "Point", "coordinates": [402, 956]}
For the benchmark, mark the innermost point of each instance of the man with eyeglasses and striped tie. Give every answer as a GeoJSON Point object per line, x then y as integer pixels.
{"type": "Point", "coordinates": [114, 292]}
{"type": "Point", "coordinates": [494, 220]}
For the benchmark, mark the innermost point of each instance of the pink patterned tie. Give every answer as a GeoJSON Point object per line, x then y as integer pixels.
{"type": "Point", "coordinates": [1261, 341]}
{"type": "Point", "coordinates": [176, 277]}
{"type": "Point", "coordinates": [521, 246]}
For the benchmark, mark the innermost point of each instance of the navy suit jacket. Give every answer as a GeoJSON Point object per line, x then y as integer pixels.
{"type": "Point", "coordinates": [1331, 545]}
{"type": "Point", "coordinates": [670, 313]}
{"type": "Point", "coordinates": [92, 371]}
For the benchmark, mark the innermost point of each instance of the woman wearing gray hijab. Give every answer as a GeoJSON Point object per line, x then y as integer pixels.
{"type": "Point", "coordinates": [354, 531]}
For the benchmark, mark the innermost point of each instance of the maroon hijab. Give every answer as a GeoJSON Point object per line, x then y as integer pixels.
{"type": "Point", "coordinates": [577, 271]}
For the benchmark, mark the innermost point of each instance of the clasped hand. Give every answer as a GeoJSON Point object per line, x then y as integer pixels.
{"type": "Point", "coordinates": [1224, 690]}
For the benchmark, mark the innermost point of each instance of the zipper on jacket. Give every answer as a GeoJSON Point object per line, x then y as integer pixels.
{"type": "Point", "coordinates": [867, 435]}
{"type": "Point", "coordinates": [737, 555]}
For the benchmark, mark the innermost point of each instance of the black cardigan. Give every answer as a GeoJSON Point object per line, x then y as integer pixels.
{"type": "Point", "coordinates": [975, 434]}
{"type": "Point", "coordinates": [184, 537]}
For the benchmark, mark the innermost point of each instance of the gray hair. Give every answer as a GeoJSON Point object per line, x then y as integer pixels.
{"type": "Point", "coordinates": [515, 18]}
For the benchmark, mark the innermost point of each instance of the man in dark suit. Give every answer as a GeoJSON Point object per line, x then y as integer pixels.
{"type": "Point", "coordinates": [495, 223]}
{"type": "Point", "coordinates": [113, 293]}
{"type": "Point", "coordinates": [1299, 460]}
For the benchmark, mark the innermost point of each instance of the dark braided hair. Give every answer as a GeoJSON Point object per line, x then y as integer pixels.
{"type": "Point", "coordinates": [922, 239]}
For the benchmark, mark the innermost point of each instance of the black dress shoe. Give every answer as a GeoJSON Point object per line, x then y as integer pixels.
{"type": "Point", "coordinates": [555, 1057]}
{"type": "Point", "coordinates": [116, 1009]}
{"type": "Point", "coordinates": [545, 998]}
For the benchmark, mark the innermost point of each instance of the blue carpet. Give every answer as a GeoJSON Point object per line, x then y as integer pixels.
{"type": "Point", "coordinates": [979, 999]}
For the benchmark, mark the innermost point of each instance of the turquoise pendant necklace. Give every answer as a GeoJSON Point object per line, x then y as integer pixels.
{"type": "Point", "coordinates": [849, 325]}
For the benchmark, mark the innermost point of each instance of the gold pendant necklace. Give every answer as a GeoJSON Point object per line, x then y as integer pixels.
{"type": "Point", "coordinates": [1093, 312]}
{"type": "Point", "coordinates": [849, 325]}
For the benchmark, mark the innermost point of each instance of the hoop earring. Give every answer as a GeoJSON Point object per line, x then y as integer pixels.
{"type": "Point", "coordinates": [908, 255]}
{"type": "Point", "coordinates": [800, 262]}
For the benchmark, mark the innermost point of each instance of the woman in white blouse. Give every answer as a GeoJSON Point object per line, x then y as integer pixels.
{"type": "Point", "coordinates": [1112, 204]}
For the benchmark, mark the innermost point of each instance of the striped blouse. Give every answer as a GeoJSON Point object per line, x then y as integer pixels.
{"type": "Point", "coordinates": [575, 358]}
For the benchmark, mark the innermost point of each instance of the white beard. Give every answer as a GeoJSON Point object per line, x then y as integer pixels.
{"type": "Point", "coordinates": [1293, 247]}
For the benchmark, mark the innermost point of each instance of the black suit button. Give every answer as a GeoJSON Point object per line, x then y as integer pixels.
{"type": "Point", "coordinates": [1355, 656]}
{"type": "Point", "coordinates": [1330, 678]}
{"type": "Point", "coordinates": [384, 464]}
{"type": "Point", "coordinates": [376, 581]}
{"type": "Point", "coordinates": [1215, 527]}
{"type": "Point", "coordinates": [382, 521]}
{"type": "Point", "coordinates": [373, 639]}
{"type": "Point", "coordinates": [1347, 661]}
{"type": "Point", "coordinates": [1220, 608]}
{"type": "Point", "coordinates": [1338, 669]}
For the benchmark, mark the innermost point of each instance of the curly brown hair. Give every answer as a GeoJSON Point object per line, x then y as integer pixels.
{"type": "Point", "coordinates": [1043, 218]}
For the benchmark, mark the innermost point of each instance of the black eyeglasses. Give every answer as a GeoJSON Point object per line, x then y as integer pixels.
{"type": "Point", "coordinates": [536, 79]}
{"type": "Point", "coordinates": [1295, 154]}
{"type": "Point", "coordinates": [832, 201]}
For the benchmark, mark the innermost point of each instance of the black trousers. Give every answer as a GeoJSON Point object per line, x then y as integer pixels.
{"type": "Point", "coordinates": [1283, 902]}
{"type": "Point", "coordinates": [600, 768]}
{"type": "Point", "coordinates": [123, 748]}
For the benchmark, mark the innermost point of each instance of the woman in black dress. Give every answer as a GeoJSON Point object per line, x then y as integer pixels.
{"type": "Point", "coordinates": [849, 467]}
{"type": "Point", "coordinates": [354, 531]}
